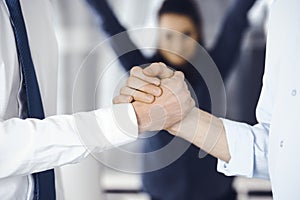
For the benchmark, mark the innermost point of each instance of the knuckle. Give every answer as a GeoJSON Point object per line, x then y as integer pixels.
{"type": "Point", "coordinates": [186, 96]}
{"type": "Point", "coordinates": [163, 64]}
{"type": "Point", "coordinates": [123, 90]}
{"type": "Point", "coordinates": [185, 99]}
{"type": "Point", "coordinates": [146, 88]}
{"type": "Point", "coordinates": [185, 84]}
{"type": "Point", "coordinates": [162, 67]}
{"type": "Point", "coordinates": [115, 100]}
{"type": "Point", "coordinates": [193, 103]}
{"type": "Point", "coordinates": [129, 80]}
{"type": "Point", "coordinates": [188, 92]}
{"type": "Point", "coordinates": [180, 84]}
{"type": "Point", "coordinates": [155, 66]}
{"type": "Point", "coordinates": [135, 93]}
{"type": "Point", "coordinates": [179, 74]}
{"type": "Point", "coordinates": [134, 70]}
{"type": "Point", "coordinates": [165, 81]}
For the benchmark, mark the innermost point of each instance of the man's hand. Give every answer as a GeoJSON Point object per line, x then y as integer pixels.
{"type": "Point", "coordinates": [158, 104]}
{"type": "Point", "coordinates": [198, 127]}
{"type": "Point", "coordinates": [143, 84]}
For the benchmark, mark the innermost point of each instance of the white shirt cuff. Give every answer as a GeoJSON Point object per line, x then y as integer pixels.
{"type": "Point", "coordinates": [240, 143]}
{"type": "Point", "coordinates": [107, 128]}
{"type": "Point", "coordinates": [118, 124]}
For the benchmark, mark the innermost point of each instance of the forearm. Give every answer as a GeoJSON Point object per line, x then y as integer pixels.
{"type": "Point", "coordinates": [205, 131]}
{"type": "Point", "coordinates": [241, 148]}
{"type": "Point", "coordinates": [32, 145]}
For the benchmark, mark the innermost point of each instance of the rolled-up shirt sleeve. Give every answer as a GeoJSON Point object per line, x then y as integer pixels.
{"type": "Point", "coordinates": [240, 144]}
{"type": "Point", "coordinates": [248, 147]}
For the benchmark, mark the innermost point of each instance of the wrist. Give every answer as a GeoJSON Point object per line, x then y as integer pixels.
{"type": "Point", "coordinates": [141, 115]}
{"type": "Point", "coordinates": [188, 127]}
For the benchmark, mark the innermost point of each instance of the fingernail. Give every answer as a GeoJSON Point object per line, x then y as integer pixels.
{"type": "Point", "coordinates": [150, 98]}
{"type": "Point", "coordinates": [157, 92]}
{"type": "Point", "coordinates": [156, 82]}
{"type": "Point", "coordinates": [131, 99]}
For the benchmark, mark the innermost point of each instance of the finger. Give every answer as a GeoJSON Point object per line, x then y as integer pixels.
{"type": "Point", "coordinates": [158, 70]}
{"type": "Point", "coordinates": [137, 95]}
{"type": "Point", "coordinates": [178, 77]}
{"type": "Point", "coordinates": [138, 84]}
{"type": "Point", "coordinates": [122, 99]}
{"type": "Point", "coordinates": [138, 72]}
{"type": "Point", "coordinates": [176, 83]}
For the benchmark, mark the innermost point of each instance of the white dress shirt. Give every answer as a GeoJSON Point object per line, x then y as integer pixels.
{"type": "Point", "coordinates": [28, 146]}
{"type": "Point", "coordinates": [271, 148]}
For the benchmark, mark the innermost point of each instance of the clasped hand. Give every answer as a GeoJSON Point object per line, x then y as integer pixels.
{"type": "Point", "coordinates": [160, 97]}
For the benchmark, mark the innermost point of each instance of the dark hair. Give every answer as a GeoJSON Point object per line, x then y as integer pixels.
{"type": "Point", "coordinates": [187, 8]}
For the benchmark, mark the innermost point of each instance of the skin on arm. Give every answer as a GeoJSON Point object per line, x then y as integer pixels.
{"type": "Point", "coordinates": [198, 127]}
{"type": "Point", "coordinates": [205, 131]}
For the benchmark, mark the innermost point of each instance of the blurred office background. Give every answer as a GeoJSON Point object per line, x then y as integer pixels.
{"type": "Point", "coordinates": [78, 32]}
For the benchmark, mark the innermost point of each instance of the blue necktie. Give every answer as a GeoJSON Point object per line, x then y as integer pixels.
{"type": "Point", "coordinates": [44, 181]}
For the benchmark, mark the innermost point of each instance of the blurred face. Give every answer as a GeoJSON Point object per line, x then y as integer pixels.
{"type": "Point", "coordinates": [181, 45]}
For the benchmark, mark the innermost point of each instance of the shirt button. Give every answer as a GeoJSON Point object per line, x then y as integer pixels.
{"type": "Point", "coordinates": [294, 92]}
{"type": "Point", "coordinates": [225, 166]}
{"type": "Point", "coordinates": [281, 143]}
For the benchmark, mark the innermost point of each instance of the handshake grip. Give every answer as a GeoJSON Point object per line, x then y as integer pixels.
{"type": "Point", "coordinates": [161, 100]}
{"type": "Point", "coordinates": [160, 97]}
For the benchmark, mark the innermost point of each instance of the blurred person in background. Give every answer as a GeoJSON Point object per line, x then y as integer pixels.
{"type": "Point", "coordinates": [189, 177]}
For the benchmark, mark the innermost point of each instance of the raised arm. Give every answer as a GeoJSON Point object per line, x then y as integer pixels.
{"type": "Point", "coordinates": [121, 42]}
{"type": "Point", "coordinates": [228, 42]}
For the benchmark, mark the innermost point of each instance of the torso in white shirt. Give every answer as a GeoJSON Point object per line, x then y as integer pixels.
{"type": "Point", "coordinates": [271, 148]}
{"type": "Point", "coordinates": [32, 145]}
{"type": "Point", "coordinates": [284, 139]}
{"type": "Point", "coordinates": [37, 16]}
